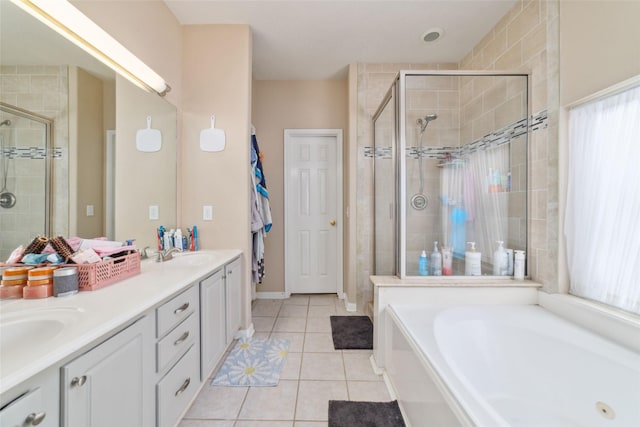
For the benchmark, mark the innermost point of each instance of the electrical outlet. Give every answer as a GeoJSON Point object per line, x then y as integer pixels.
{"type": "Point", "coordinates": [89, 210]}
{"type": "Point", "coordinates": [207, 212]}
{"type": "Point", "coordinates": [154, 213]}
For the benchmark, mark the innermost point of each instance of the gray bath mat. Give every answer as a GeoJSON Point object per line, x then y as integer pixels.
{"type": "Point", "coordinates": [343, 413]}
{"type": "Point", "coordinates": [352, 332]}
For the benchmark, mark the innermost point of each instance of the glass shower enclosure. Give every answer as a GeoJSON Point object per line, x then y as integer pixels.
{"type": "Point", "coordinates": [25, 176]}
{"type": "Point", "coordinates": [450, 167]}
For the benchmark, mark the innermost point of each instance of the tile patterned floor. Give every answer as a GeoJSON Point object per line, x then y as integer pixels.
{"type": "Point", "coordinates": [314, 372]}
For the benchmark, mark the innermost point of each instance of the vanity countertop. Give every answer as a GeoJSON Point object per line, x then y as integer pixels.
{"type": "Point", "coordinates": [41, 332]}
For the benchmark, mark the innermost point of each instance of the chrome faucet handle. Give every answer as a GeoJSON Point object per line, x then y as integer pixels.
{"type": "Point", "coordinates": [143, 253]}
{"type": "Point", "coordinates": [167, 255]}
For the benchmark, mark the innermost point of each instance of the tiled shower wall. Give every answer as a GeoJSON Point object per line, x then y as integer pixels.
{"type": "Point", "coordinates": [374, 80]}
{"type": "Point", "coordinates": [42, 90]}
{"type": "Point", "coordinates": [526, 39]}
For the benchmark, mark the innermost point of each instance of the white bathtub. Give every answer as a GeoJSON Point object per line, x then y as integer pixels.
{"type": "Point", "coordinates": [507, 366]}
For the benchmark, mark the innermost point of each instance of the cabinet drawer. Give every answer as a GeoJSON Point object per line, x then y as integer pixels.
{"type": "Point", "coordinates": [176, 310]}
{"type": "Point", "coordinates": [177, 388]}
{"type": "Point", "coordinates": [27, 410]}
{"type": "Point", "coordinates": [177, 341]}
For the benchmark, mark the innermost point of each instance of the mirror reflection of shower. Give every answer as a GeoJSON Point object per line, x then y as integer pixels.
{"type": "Point", "coordinates": [420, 201]}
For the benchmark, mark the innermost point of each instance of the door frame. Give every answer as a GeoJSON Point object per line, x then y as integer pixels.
{"type": "Point", "coordinates": [289, 134]}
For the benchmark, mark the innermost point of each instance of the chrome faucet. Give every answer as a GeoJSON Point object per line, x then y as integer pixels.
{"type": "Point", "coordinates": [167, 255]}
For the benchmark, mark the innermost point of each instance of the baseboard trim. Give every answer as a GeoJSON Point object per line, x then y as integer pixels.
{"type": "Point", "coordinates": [349, 306]}
{"type": "Point", "coordinates": [272, 295]}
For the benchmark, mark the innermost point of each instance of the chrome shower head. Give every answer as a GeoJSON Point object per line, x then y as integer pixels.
{"type": "Point", "coordinates": [6, 123]}
{"type": "Point", "coordinates": [424, 121]}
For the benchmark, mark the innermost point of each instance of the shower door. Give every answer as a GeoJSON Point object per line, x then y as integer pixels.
{"type": "Point", "coordinates": [25, 167]}
{"type": "Point", "coordinates": [384, 218]}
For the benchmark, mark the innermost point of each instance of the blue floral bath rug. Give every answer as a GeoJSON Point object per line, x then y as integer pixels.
{"type": "Point", "coordinates": [253, 362]}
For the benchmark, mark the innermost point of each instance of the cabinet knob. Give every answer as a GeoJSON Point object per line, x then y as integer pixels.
{"type": "Point", "coordinates": [183, 387]}
{"type": "Point", "coordinates": [78, 381]}
{"type": "Point", "coordinates": [34, 419]}
{"type": "Point", "coordinates": [182, 338]}
{"type": "Point", "coordinates": [182, 308]}
{"type": "Point", "coordinates": [332, 222]}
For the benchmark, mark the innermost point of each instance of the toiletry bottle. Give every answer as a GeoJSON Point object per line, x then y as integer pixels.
{"type": "Point", "coordinates": [166, 240]}
{"type": "Point", "coordinates": [510, 260]}
{"type": "Point", "coordinates": [423, 264]}
{"type": "Point", "coordinates": [472, 261]}
{"type": "Point", "coordinates": [177, 239]}
{"type": "Point", "coordinates": [436, 261]}
{"type": "Point", "coordinates": [500, 260]}
{"type": "Point", "coordinates": [447, 260]}
{"type": "Point", "coordinates": [518, 265]}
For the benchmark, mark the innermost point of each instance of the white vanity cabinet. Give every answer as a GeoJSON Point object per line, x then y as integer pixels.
{"type": "Point", "coordinates": [35, 403]}
{"type": "Point", "coordinates": [177, 356]}
{"type": "Point", "coordinates": [110, 385]}
{"type": "Point", "coordinates": [220, 314]}
{"type": "Point", "coordinates": [212, 322]}
{"type": "Point", "coordinates": [233, 288]}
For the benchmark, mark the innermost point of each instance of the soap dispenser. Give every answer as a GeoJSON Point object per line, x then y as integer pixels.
{"type": "Point", "coordinates": [500, 260]}
{"type": "Point", "coordinates": [472, 261]}
{"type": "Point", "coordinates": [423, 264]}
{"type": "Point", "coordinates": [436, 261]}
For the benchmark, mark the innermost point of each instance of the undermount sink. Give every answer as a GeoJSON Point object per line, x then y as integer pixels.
{"type": "Point", "coordinates": [33, 327]}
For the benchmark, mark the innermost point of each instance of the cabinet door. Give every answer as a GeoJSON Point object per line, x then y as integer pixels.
{"type": "Point", "coordinates": [110, 385]}
{"type": "Point", "coordinates": [233, 275]}
{"type": "Point", "coordinates": [212, 322]}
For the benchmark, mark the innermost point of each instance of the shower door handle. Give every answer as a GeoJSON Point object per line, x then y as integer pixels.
{"type": "Point", "coordinates": [332, 222]}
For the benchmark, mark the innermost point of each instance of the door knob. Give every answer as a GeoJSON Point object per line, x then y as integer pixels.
{"type": "Point", "coordinates": [332, 222]}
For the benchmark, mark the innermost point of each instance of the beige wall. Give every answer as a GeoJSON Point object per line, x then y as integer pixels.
{"type": "Point", "coordinates": [217, 80]}
{"type": "Point", "coordinates": [143, 179]}
{"type": "Point", "coordinates": [279, 105]}
{"type": "Point", "coordinates": [599, 46]}
{"type": "Point", "coordinates": [90, 153]}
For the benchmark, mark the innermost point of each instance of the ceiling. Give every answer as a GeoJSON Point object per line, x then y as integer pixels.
{"type": "Point", "coordinates": [317, 39]}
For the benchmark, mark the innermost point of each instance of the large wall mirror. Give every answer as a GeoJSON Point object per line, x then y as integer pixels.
{"type": "Point", "coordinates": [68, 159]}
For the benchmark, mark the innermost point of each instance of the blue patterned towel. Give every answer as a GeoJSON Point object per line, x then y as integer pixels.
{"type": "Point", "coordinates": [253, 362]}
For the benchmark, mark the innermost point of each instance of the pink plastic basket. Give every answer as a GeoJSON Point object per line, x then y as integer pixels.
{"type": "Point", "coordinates": [100, 274]}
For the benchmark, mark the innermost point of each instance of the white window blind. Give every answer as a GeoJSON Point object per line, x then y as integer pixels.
{"type": "Point", "coordinates": [602, 222]}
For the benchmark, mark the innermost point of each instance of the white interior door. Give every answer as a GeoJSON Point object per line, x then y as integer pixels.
{"type": "Point", "coordinates": [313, 206]}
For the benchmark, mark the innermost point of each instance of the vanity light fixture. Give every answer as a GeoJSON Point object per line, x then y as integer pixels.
{"type": "Point", "coordinates": [65, 19]}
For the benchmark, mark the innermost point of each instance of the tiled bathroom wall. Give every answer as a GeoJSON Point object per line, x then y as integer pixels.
{"type": "Point", "coordinates": [373, 80]}
{"type": "Point", "coordinates": [42, 90]}
{"type": "Point", "coordinates": [526, 39]}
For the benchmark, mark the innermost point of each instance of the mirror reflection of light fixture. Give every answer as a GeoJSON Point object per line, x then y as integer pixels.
{"type": "Point", "coordinates": [65, 19]}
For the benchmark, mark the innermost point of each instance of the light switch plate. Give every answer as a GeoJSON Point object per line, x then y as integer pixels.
{"type": "Point", "coordinates": [207, 212]}
{"type": "Point", "coordinates": [154, 212]}
{"type": "Point", "coordinates": [89, 210]}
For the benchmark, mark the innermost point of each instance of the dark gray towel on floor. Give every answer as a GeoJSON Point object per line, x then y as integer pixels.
{"type": "Point", "coordinates": [352, 332]}
{"type": "Point", "coordinates": [344, 413]}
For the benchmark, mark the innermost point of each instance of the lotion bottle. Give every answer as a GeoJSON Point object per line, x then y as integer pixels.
{"type": "Point", "coordinates": [500, 260]}
{"type": "Point", "coordinates": [447, 261]}
{"type": "Point", "coordinates": [423, 264]}
{"type": "Point", "coordinates": [472, 261]}
{"type": "Point", "coordinates": [518, 265]}
{"type": "Point", "coordinates": [436, 261]}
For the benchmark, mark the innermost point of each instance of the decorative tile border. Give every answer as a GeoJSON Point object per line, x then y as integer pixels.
{"type": "Point", "coordinates": [32, 153]}
{"type": "Point", "coordinates": [495, 139]}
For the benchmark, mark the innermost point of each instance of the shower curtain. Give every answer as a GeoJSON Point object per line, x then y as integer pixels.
{"type": "Point", "coordinates": [474, 197]}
